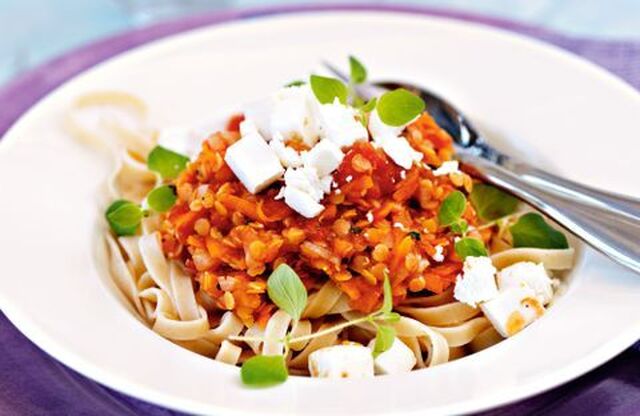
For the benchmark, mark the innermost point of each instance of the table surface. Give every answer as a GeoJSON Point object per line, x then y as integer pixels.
{"type": "Point", "coordinates": [37, 30]}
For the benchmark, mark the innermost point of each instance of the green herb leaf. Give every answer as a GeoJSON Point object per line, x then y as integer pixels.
{"type": "Point", "coordinates": [470, 247]}
{"type": "Point", "coordinates": [491, 203]}
{"type": "Point", "coordinates": [531, 230]}
{"type": "Point", "coordinates": [415, 235]}
{"type": "Point", "coordinates": [124, 217]}
{"type": "Point", "coordinates": [387, 300]}
{"type": "Point", "coordinates": [369, 106]}
{"type": "Point", "coordinates": [264, 371]}
{"type": "Point", "coordinates": [166, 162]}
{"type": "Point", "coordinates": [296, 83]}
{"type": "Point", "coordinates": [459, 227]}
{"type": "Point", "coordinates": [451, 208]}
{"type": "Point", "coordinates": [355, 230]}
{"type": "Point", "coordinates": [286, 290]}
{"type": "Point", "coordinates": [391, 317]}
{"type": "Point", "coordinates": [162, 198]}
{"type": "Point", "coordinates": [328, 89]}
{"type": "Point", "coordinates": [384, 339]}
{"type": "Point", "coordinates": [399, 107]}
{"type": "Point", "coordinates": [358, 73]}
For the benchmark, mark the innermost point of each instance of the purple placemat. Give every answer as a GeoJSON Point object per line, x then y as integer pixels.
{"type": "Point", "coordinates": [32, 383]}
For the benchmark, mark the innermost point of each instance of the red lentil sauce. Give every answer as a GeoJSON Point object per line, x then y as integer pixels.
{"type": "Point", "coordinates": [230, 240]}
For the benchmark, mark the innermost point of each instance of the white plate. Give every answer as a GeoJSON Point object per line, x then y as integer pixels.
{"type": "Point", "coordinates": [547, 105]}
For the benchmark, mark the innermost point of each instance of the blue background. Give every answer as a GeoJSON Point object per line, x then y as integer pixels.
{"type": "Point", "coordinates": [36, 30]}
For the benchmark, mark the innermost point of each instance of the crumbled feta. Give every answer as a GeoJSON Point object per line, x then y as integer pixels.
{"type": "Point", "coordinates": [512, 310]}
{"type": "Point", "coordinates": [446, 168]}
{"type": "Point", "coordinates": [253, 162]}
{"type": "Point", "coordinates": [258, 115]}
{"type": "Point", "coordinates": [477, 282]}
{"type": "Point", "coordinates": [341, 361]}
{"type": "Point", "coordinates": [370, 216]}
{"type": "Point", "coordinates": [398, 225]}
{"type": "Point", "coordinates": [302, 202]}
{"type": "Point", "coordinates": [304, 190]}
{"type": "Point", "coordinates": [338, 124]}
{"type": "Point", "coordinates": [400, 151]}
{"type": "Point", "coordinates": [403, 174]}
{"type": "Point", "coordinates": [292, 115]}
{"type": "Point", "coordinates": [289, 112]}
{"type": "Point", "coordinates": [392, 143]}
{"type": "Point", "coordinates": [307, 180]}
{"type": "Point", "coordinates": [397, 359]}
{"type": "Point", "coordinates": [438, 256]}
{"type": "Point", "coordinates": [348, 179]}
{"type": "Point", "coordinates": [288, 156]}
{"type": "Point", "coordinates": [324, 157]}
{"type": "Point", "coordinates": [527, 274]}
{"type": "Point", "coordinates": [338, 191]}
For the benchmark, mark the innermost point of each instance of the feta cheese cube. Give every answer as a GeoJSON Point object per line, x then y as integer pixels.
{"type": "Point", "coordinates": [254, 163]}
{"type": "Point", "coordinates": [258, 114]}
{"type": "Point", "coordinates": [337, 123]}
{"type": "Point", "coordinates": [324, 157]}
{"type": "Point", "coordinates": [302, 202]}
{"type": "Point", "coordinates": [247, 127]}
{"type": "Point", "coordinates": [288, 112]}
{"type": "Point", "coordinates": [400, 151]}
{"type": "Point", "coordinates": [512, 310]}
{"type": "Point", "coordinates": [341, 361]}
{"type": "Point", "coordinates": [477, 282]}
{"type": "Point", "coordinates": [293, 115]}
{"type": "Point", "coordinates": [390, 140]}
{"type": "Point", "coordinates": [397, 359]}
{"type": "Point", "coordinates": [446, 168]}
{"type": "Point", "coordinates": [527, 274]}
{"type": "Point", "coordinates": [289, 157]}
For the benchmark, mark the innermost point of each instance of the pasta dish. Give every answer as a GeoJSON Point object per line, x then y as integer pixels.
{"type": "Point", "coordinates": [319, 234]}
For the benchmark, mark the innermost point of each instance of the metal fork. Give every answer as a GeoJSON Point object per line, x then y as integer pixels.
{"type": "Point", "coordinates": [608, 222]}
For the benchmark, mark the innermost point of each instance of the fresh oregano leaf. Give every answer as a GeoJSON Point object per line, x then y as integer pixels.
{"type": "Point", "coordinates": [491, 203]}
{"type": "Point", "coordinates": [468, 246]}
{"type": "Point", "coordinates": [162, 198]}
{"type": "Point", "coordinates": [124, 217]}
{"type": "Point", "coordinates": [264, 371]}
{"type": "Point", "coordinates": [399, 107]}
{"type": "Point", "coordinates": [166, 162]}
{"type": "Point", "coordinates": [358, 73]}
{"type": "Point", "coordinates": [286, 290]}
{"type": "Point", "coordinates": [369, 105]}
{"type": "Point", "coordinates": [385, 337]}
{"type": "Point", "coordinates": [328, 89]}
{"type": "Point", "coordinates": [451, 208]}
{"type": "Point", "coordinates": [532, 230]}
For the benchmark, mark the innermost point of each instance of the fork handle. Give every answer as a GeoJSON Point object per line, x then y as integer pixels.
{"type": "Point", "coordinates": [608, 222]}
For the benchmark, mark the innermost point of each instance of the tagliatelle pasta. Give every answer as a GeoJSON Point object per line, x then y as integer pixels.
{"type": "Point", "coordinates": [198, 272]}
